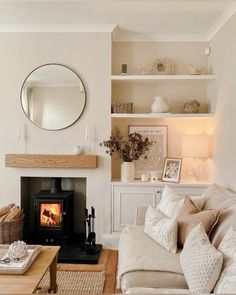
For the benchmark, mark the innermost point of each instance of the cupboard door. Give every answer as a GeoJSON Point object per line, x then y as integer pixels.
{"type": "Point", "coordinates": [127, 199]}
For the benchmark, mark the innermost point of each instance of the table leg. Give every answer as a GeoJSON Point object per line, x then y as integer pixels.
{"type": "Point", "coordinates": [53, 275]}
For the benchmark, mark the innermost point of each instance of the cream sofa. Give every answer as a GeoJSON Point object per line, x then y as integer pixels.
{"type": "Point", "coordinates": [144, 264]}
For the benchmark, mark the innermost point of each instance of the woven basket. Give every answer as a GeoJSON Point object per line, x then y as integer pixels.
{"type": "Point", "coordinates": [11, 231]}
{"type": "Point", "coordinates": [118, 107]}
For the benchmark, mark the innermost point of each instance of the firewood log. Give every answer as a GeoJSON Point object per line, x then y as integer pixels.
{"type": "Point", "coordinates": [6, 209]}
{"type": "Point", "coordinates": [2, 217]}
{"type": "Point", "coordinates": [12, 214]}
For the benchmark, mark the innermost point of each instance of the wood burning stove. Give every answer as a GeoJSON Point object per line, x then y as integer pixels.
{"type": "Point", "coordinates": [53, 212]}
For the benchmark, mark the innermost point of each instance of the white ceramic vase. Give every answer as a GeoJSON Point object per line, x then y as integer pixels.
{"type": "Point", "coordinates": [160, 105]}
{"type": "Point", "coordinates": [127, 171]}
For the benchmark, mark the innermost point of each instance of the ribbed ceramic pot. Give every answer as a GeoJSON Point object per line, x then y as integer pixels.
{"type": "Point", "coordinates": [127, 171]}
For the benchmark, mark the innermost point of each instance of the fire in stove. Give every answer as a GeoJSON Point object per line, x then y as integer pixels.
{"type": "Point", "coordinates": [50, 214]}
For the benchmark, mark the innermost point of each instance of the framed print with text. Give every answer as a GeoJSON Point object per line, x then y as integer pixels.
{"type": "Point", "coordinates": [157, 152]}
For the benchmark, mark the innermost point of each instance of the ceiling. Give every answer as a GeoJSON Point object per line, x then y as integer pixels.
{"type": "Point", "coordinates": [135, 19]}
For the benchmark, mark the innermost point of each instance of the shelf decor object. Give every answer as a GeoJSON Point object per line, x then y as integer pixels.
{"type": "Point", "coordinates": [195, 71]}
{"type": "Point", "coordinates": [171, 170]}
{"type": "Point", "coordinates": [195, 146]}
{"type": "Point", "coordinates": [127, 171]}
{"type": "Point", "coordinates": [126, 108]}
{"type": "Point", "coordinates": [155, 156]}
{"type": "Point", "coordinates": [192, 107]}
{"type": "Point", "coordinates": [127, 149]}
{"type": "Point", "coordinates": [160, 105]}
{"type": "Point", "coordinates": [163, 66]}
{"type": "Point", "coordinates": [51, 161]}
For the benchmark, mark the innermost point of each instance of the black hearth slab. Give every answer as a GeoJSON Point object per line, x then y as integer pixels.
{"type": "Point", "coordinates": [74, 254]}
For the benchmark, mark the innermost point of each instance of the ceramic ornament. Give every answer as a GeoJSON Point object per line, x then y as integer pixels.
{"type": "Point", "coordinates": [160, 105]}
{"type": "Point", "coordinates": [195, 71]}
{"type": "Point", "coordinates": [17, 250]}
{"type": "Point", "coordinates": [162, 66]}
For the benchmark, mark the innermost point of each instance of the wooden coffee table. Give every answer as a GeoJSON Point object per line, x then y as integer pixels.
{"type": "Point", "coordinates": [28, 282]}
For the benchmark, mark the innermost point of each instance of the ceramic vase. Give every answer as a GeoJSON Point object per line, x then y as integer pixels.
{"type": "Point", "coordinates": [127, 171]}
{"type": "Point", "coordinates": [160, 105]}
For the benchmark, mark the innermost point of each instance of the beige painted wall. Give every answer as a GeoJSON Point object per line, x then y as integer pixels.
{"type": "Point", "coordinates": [90, 56]}
{"type": "Point", "coordinates": [223, 63]}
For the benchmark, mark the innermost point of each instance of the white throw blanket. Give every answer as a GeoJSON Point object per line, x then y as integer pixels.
{"type": "Point", "coordinates": [139, 252]}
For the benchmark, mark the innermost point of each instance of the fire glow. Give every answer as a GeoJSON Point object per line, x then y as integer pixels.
{"type": "Point", "coordinates": [50, 214]}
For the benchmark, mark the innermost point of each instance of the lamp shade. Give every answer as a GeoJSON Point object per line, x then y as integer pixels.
{"type": "Point", "coordinates": [195, 146]}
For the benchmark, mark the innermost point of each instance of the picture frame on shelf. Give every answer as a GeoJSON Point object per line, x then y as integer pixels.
{"type": "Point", "coordinates": [172, 170]}
{"type": "Point", "coordinates": [153, 160]}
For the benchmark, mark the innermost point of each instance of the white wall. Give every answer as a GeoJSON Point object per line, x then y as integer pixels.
{"type": "Point", "coordinates": [90, 56]}
{"type": "Point", "coordinates": [223, 62]}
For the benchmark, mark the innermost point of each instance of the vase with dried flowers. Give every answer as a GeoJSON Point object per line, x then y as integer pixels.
{"type": "Point", "coordinates": [128, 149]}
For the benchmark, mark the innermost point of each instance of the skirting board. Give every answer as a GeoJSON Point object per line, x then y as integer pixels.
{"type": "Point", "coordinates": [110, 241]}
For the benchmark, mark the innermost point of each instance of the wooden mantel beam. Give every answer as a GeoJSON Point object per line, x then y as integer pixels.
{"type": "Point", "coordinates": [51, 161]}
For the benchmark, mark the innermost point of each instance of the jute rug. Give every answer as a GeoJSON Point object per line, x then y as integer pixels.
{"type": "Point", "coordinates": [77, 282]}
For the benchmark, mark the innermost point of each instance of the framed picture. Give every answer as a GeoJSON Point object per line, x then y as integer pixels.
{"type": "Point", "coordinates": [157, 152]}
{"type": "Point", "coordinates": [172, 169]}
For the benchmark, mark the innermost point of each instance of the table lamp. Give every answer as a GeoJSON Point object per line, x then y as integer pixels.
{"type": "Point", "coordinates": [195, 146]}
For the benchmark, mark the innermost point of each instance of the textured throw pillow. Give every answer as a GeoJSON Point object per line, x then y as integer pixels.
{"type": "Point", "coordinates": [200, 261]}
{"type": "Point", "coordinates": [170, 203]}
{"type": "Point", "coordinates": [227, 280]}
{"type": "Point", "coordinates": [189, 217]}
{"type": "Point", "coordinates": [161, 229]}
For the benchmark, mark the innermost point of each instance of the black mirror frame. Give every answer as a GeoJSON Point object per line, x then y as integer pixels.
{"type": "Point", "coordinates": [57, 64]}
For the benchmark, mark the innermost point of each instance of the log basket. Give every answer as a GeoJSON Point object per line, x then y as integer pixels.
{"type": "Point", "coordinates": [11, 231]}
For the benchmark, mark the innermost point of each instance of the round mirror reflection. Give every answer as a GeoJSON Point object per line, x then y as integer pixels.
{"type": "Point", "coordinates": [53, 97]}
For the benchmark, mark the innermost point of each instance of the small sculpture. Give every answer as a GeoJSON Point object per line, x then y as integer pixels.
{"type": "Point", "coordinates": [17, 250]}
{"type": "Point", "coordinates": [195, 71]}
{"type": "Point", "coordinates": [160, 105]}
{"type": "Point", "coordinates": [162, 66]}
{"type": "Point", "coordinates": [192, 106]}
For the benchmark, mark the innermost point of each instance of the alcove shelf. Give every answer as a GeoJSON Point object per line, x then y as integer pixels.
{"type": "Point", "coordinates": [51, 161]}
{"type": "Point", "coordinates": [163, 116]}
{"type": "Point", "coordinates": [162, 77]}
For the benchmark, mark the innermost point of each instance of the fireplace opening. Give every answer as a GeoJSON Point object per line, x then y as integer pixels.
{"type": "Point", "coordinates": [54, 215]}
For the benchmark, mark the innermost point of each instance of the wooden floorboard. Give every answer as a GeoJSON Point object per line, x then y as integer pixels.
{"type": "Point", "coordinates": [107, 262]}
{"type": "Point", "coordinates": [110, 272]}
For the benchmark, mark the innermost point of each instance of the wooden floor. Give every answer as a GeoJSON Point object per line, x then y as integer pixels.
{"type": "Point", "coordinates": [107, 262]}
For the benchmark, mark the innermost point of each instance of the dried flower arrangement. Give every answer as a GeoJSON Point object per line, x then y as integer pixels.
{"type": "Point", "coordinates": [128, 149]}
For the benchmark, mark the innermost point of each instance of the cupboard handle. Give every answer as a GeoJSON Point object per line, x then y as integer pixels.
{"type": "Point", "coordinates": [158, 192]}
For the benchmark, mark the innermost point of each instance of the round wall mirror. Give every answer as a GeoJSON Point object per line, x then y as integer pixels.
{"type": "Point", "coordinates": [53, 97]}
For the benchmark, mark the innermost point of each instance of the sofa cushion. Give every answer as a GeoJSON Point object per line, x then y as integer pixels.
{"type": "Point", "coordinates": [189, 217]}
{"type": "Point", "coordinates": [161, 229]}
{"type": "Point", "coordinates": [153, 279]}
{"type": "Point", "coordinates": [227, 218]}
{"type": "Point", "coordinates": [227, 280]}
{"type": "Point", "coordinates": [170, 203]}
{"type": "Point", "coordinates": [139, 252]}
{"type": "Point", "coordinates": [218, 197]}
{"type": "Point", "coordinates": [200, 261]}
